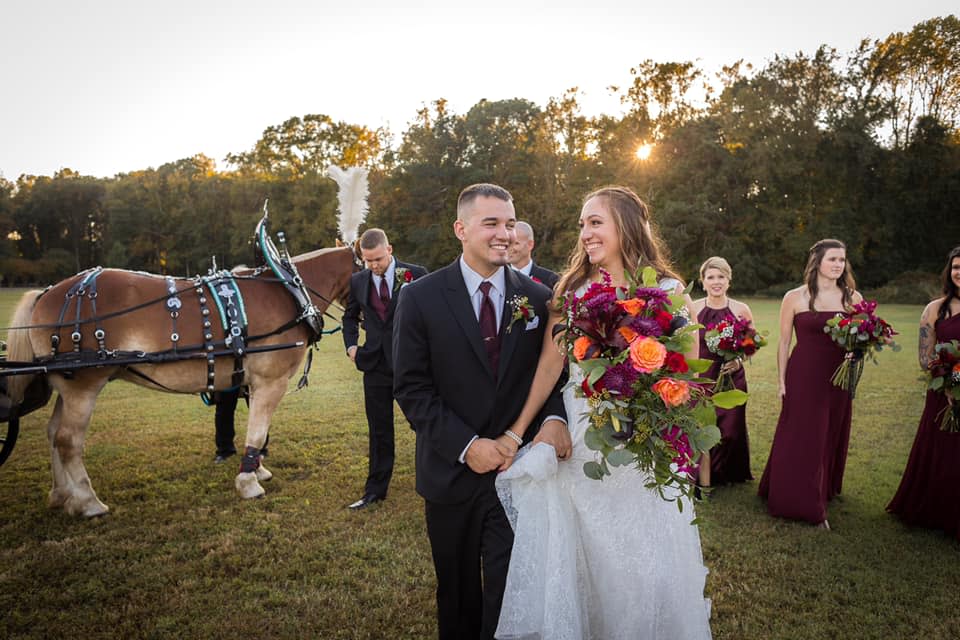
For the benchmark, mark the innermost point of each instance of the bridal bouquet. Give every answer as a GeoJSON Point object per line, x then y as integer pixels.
{"type": "Point", "coordinates": [646, 403]}
{"type": "Point", "coordinates": [944, 376]}
{"type": "Point", "coordinates": [861, 333]}
{"type": "Point", "coordinates": [732, 338]}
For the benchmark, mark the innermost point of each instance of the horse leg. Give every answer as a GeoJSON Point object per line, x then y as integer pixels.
{"type": "Point", "coordinates": [60, 491]}
{"type": "Point", "coordinates": [67, 430]}
{"type": "Point", "coordinates": [264, 398]}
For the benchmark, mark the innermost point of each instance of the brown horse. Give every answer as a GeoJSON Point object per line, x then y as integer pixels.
{"type": "Point", "coordinates": [130, 325]}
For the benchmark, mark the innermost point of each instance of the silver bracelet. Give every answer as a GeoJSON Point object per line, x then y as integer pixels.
{"type": "Point", "coordinates": [510, 434]}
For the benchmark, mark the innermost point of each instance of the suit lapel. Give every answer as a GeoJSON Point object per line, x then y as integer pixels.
{"type": "Point", "coordinates": [508, 339]}
{"type": "Point", "coordinates": [455, 292]}
{"type": "Point", "coordinates": [395, 291]}
{"type": "Point", "coordinates": [366, 277]}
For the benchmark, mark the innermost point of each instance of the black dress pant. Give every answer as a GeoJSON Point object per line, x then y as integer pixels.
{"type": "Point", "coordinates": [471, 543]}
{"type": "Point", "coordinates": [226, 405]}
{"type": "Point", "coordinates": [378, 402]}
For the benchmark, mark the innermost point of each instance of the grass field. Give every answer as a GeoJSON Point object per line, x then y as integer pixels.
{"type": "Point", "coordinates": [180, 555]}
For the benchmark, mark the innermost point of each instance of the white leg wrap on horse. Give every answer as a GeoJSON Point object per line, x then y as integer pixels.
{"type": "Point", "coordinates": [247, 485]}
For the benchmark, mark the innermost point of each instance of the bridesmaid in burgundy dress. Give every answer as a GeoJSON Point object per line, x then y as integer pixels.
{"type": "Point", "coordinates": [809, 451]}
{"type": "Point", "coordinates": [929, 493]}
{"type": "Point", "coordinates": [729, 461]}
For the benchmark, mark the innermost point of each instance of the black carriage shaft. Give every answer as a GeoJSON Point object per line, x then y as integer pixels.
{"type": "Point", "coordinates": [125, 358]}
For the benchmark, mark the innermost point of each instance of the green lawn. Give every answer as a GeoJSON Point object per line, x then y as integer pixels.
{"type": "Point", "coordinates": [181, 555]}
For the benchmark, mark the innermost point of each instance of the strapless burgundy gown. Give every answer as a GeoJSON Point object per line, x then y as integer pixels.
{"type": "Point", "coordinates": [809, 451]}
{"type": "Point", "coordinates": [929, 493]}
{"type": "Point", "coordinates": [730, 459]}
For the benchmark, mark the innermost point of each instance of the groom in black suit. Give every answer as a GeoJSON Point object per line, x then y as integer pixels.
{"type": "Point", "coordinates": [372, 303]}
{"type": "Point", "coordinates": [464, 360]}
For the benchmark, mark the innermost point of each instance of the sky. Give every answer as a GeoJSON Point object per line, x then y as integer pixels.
{"type": "Point", "coordinates": [104, 87]}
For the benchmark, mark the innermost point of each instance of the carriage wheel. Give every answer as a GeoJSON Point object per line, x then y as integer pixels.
{"type": "Point", "coordinates": [8, 437]}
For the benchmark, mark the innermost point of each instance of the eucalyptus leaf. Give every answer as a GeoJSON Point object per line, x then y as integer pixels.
{"type": "Point", "coordinates": [699, 365]}
{"type": "Point", "coordinates": [593, 439]}
{"type": "Point", "coordinates": [730, 399]}
{"type": "Point", "coordinates": [620, 458]}
{"type": "Point", "coordinates": [593, 470]}
{"type": "Point", "coordinates": [649, 277]}
{"type": "Point", "coordinates": [705, 414]}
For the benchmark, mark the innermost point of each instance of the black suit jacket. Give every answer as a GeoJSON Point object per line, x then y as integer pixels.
{"type": "Point", "coordinates": [443, 381]}
{"type": "Point", "coordinates": [377, 351]}
{"type": "Point", "coordinates": [544, 275]}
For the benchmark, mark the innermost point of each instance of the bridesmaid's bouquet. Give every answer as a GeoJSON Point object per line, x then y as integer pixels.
{"type": "Point", "coordinates": [944, 376]}
{"type": "Point", "coordinates": [732, 338]}
{"type": "Point", "coordinates": [647, 406]}
{"type": "Point", "coordinates": [861, 333]}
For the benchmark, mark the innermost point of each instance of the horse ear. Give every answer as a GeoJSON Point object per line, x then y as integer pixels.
{"type": "Point", "coordinates": [340, 244]}
{"type": "Point", "coordinates": [356, 249]}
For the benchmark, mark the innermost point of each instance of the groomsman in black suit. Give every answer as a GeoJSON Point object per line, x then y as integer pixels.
{"type": "Point", "coordinates": [464, 360]}
{"type": "Point", "coordinates": [372, 304]}
{"type": "Point", "coordinates": [521, 257]}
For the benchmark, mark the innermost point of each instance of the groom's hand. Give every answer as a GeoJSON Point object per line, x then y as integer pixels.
{"type": "Point", "coordinates": [485, 455]}
{"type": "Point", "coordinates": [556, 434]}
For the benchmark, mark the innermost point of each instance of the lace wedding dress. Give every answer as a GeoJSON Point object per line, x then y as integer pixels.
{"type": "Point", "coordinates": [593, 559]}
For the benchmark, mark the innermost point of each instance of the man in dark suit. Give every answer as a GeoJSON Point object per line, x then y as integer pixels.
{"type": "Point", "coordinates": [521, 257]}
{"type": "Point", "coordinates": [373, 301]}
{"type": "Point", "coordinates": [464, 359]}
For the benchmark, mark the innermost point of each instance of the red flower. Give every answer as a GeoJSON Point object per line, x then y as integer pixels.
{"type": "Point", "coordinates": [591, 391]}
{"type": "Point", "coordinates": [676, 362]}
{"type": "Point", "coordinates": [664, 319]}
{"type": "Point", "coordinates": [536, 279]}
{"type": "Point", "coordinates": [407, 276]}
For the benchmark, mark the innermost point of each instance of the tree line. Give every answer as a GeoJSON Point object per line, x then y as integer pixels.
{"type": "Point", "coordinates": [754, 164]}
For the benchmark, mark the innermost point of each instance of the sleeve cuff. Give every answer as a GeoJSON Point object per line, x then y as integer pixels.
{"type": "Point", "coordinates": [463, 454]}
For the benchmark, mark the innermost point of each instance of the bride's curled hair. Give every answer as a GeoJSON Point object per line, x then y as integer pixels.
{"type": "Point", "coordinates": [640, 245]}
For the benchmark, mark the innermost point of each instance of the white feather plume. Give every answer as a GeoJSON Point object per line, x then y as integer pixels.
{"type": "Point", "coordinates": [352, 197]}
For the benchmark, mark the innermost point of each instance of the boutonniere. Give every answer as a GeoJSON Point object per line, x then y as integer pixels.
{"type": "Point", "coordinates": [401, 276]}
{"type": "Point", "coordinates": [536, 279]}
{"type": "Point", "coordinates": [522, 310]}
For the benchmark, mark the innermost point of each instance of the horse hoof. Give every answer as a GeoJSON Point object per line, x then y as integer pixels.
{"type": "Point", "coordinates": [263, 474]}
{"type": "Point", "coordinates": [247, 485]}
{"type": "Point", "coordinates": [88, 508]}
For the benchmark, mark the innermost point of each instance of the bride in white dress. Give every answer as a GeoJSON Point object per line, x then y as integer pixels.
{"type": "Point", "coordinates": [595, 559]}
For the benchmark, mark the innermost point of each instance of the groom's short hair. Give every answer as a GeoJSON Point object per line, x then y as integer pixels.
{"type": "Point", "coordinates": [373, 238]}
{"type": "Point", "coordinates": [484, 189]}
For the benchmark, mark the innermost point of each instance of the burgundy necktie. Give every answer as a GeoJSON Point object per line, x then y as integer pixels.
{"type": "Point", "coordinates": [488, 327]}
{"type": "Point", "coordinates": [381, 300]}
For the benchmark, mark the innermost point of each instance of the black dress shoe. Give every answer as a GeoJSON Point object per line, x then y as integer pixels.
{"type": "Point", "coordinates": [222, 457]}
{"type": "Point", "coordinates": [365, 501]}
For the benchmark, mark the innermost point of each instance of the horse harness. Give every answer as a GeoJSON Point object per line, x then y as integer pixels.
{"type": "Point", "coordinates": [217, 289]}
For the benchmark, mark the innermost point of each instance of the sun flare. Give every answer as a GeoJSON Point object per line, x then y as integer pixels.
{"type": "Point", "coordinates": [644, 151]}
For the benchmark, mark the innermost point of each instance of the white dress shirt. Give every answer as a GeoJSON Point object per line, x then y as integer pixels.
{"type": "Point", "coordinates": [389, 275]}
{"type": "Point", "coordinates": [498, 292]}
{"type": "Point", "coordinates": [526, 269]}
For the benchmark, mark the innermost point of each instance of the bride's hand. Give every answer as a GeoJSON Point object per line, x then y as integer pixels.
{"type": "Point", "coordinates": [507, 444]}
{"type": "Point", "coordinates": [556, 434]}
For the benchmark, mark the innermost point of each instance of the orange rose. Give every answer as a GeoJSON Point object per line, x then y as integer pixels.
{"type": "Point", "coordinates": [628, 334]}
{"type": "Point", "coordinates": [580, 347]}
{"type": "Point", "coordinates": [672, 392]}
{"type": "Point", "coordinates": [633, 306]}
{"type": "Point", "coordinates": [956, 368]}
{"type": "Point", "coordinates": [647, 354]}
